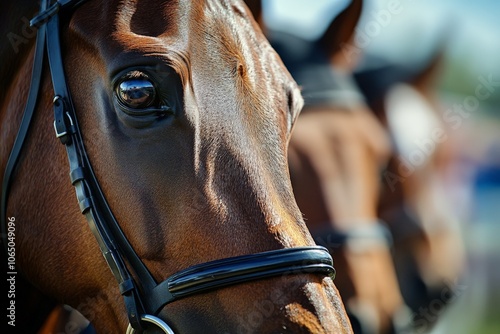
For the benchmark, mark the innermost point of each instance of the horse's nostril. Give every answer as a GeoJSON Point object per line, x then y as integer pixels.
{"type": "Point", "coordinates": [241, 70]}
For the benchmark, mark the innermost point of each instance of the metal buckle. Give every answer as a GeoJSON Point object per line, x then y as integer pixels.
{"type": "Point", "coordinates": [64, 132]}
{"type": "Point", "coordinates": [152, 320]}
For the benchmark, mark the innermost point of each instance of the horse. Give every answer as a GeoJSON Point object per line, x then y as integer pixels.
{"type": "Point", "coordinates": [337, 152]}
{"type": "Point", "coordinates": [428, 248]}
{"type": "Point", "coordinates": [174, 119]}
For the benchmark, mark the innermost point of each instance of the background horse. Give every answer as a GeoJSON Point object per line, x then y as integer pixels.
{"type": "Point", "coordinates": [337, 153]}
{"type": "Point", "coordinates": [341, 159]}
{"type": "Point", "coordinates": [428, 249]}
{"type": "Point", "coordinates": [205, 179]}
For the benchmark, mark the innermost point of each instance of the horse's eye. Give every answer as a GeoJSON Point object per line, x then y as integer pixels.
{"type": "Point", "coordinates": [136, 93]}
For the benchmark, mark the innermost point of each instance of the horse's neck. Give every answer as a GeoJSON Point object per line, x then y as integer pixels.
{"type": "Point", "coordinates": [18, 40]}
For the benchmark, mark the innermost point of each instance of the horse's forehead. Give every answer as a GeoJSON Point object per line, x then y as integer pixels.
{"type": "Point", "coordinates": [198, 29]}
{"type": "Point", "coordinates": [215, 45]}
{"type": "Point", "coordinates": [212, 37]}
{"type": "Point", "coordinates": [147, 23]}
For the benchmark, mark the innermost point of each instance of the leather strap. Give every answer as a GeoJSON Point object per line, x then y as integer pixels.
{"type": "Point", "coordinates": [29, 109]}
{"type": "Point", "coordinates": [67, 130]}
{"type": "Point", "coordinates": [45, 14]}
{"type": "Point", "coordinates": [240, 269]}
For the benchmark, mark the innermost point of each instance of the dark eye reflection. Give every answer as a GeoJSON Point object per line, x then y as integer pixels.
{"type": "Point", "coordinates": [143, 96]}
{"type": "Point", "coordinates": [136, 93]}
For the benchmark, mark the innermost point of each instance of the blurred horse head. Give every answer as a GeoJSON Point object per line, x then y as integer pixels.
{"type": "Point", "coordinates": [337, 152]}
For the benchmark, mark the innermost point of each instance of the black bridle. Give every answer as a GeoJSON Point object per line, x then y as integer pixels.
{"type": "Point", "coordinates": [143, 296]}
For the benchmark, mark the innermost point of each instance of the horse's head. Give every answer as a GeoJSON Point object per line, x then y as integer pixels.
{"type": "Point", "coordinates": [186, 112]}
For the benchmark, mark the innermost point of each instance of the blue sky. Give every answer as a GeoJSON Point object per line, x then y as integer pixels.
{"type": "Point", "coordinates": [474, 26]}
{"type": "Point", "coordinates": [303, 17]}
{"type": "Point", "coordinates": [312, 14]}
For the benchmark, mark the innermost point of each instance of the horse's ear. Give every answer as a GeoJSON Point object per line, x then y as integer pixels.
{"type": "Point", "coordinates": [340, 33]}
{"type": "Point", "coordinates": [427, 78]}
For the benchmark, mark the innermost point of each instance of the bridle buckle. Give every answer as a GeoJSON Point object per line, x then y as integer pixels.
{"type": "Point", "coordinates": [152, 320]}
{"type": "Point", "coordinates": [63, 124]}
